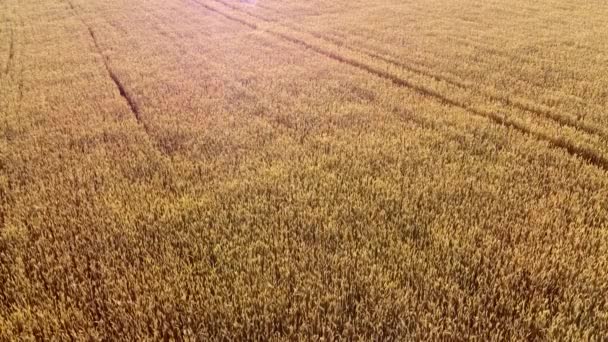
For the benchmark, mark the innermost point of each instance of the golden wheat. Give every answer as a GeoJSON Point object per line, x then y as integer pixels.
{"type": "Point", "coordinates": [287, 170]}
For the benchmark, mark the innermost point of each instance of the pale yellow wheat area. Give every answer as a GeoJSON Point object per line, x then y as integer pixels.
{"type": "Point", "coordinates": [303, 170]}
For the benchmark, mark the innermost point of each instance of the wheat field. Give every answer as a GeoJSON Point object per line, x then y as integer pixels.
{"type": "Point", "coordinates": [381, 170]}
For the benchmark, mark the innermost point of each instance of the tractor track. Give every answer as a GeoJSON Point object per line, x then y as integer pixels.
{"type": "Point", "coordinates": [334, 41]}
{"type": "Point", "coordinates": [20, 86]}
{"type": "Point", "coordinates": [564, 118]}
{"type": "Point", "coordinates": [11, 51]}
{"type": "Point", "coordinates": [12, 66]}
{"type": "Point", "coordinates": [560, 119]}
{"type": "Point", "coordinates": [227, 16]}
{"type": "Point", "coordinates": [131, 103]}
{"type": "Point", "coordinates": [587, 154]}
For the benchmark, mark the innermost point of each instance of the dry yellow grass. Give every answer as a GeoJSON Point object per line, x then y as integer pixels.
{"type": "Point", "coordinates": [307, 170]}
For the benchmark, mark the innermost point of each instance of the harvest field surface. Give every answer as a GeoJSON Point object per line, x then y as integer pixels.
{"type": "Point", "coordinates": [303, 170]}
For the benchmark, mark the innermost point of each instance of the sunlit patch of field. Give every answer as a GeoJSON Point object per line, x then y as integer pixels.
{"type": "Point", "coordinates": [278, 170]}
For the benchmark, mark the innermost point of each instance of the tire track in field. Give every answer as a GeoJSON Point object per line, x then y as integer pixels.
{"type": "Point", "coordinates": [11, 65]}
{"type": "Point", "coordinates": [11, 51]}
{"type": "Point", "coordinates": [560, 119]}
{"type": "Point", "coordinates": [563, 119]}
{"type": "Point", "coordinates": [402, 114]}
{"type": "Point", "coordinates": [115, 79]}
{"type": "Point", "coordinates": [227, 16]}
{"type": "Point", "coordinates": [20, 86]}
{"type": "Point", "coordinates": [7, 197]}
{"type": "Point", "coordinates": [388, 59]}
{"type": "Point", "coordinates": [413, 69]}
{"type": "Point", "coordinates": [585, 153]}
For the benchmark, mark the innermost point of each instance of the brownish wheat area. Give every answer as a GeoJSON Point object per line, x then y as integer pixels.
{"type": "Point", "coordinates": [303, 170]}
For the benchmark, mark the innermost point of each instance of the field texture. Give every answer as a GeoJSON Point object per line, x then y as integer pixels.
{"type": "Point", "coordinates": [303, 170]}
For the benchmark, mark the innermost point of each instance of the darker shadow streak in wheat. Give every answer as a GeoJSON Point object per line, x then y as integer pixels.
{"type": "Point", "coordinates": [407, 67]}
{"type": "Point", "coordinates": [586, 154]}
{"type": "Point", "coordinates": [562, 120]}
{"type": "Point", "coordinates": [11, 52]}
{"type": "Point", "coordinates": [119, 85]}
{"type": "Point", "coordinates": [227, 16]}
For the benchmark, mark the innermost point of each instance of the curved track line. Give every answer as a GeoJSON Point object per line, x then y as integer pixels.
{"type": "Point", "coordinates": [389, 60]}
{"type": "Point", "coordinates": [121, 89]}
{"type": "Point", "coordinates": [227, 16]}
{"type": "Point", "coordinates": [117, 82]}
{"type": "Point", "coordinates": [587, 154]}
{"type": "Point", "coordinates": [20, 87]}
{"type": "Point", "coordinates": [11, 52]}
{"type": "Point", "coordinates": [560, 119]}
